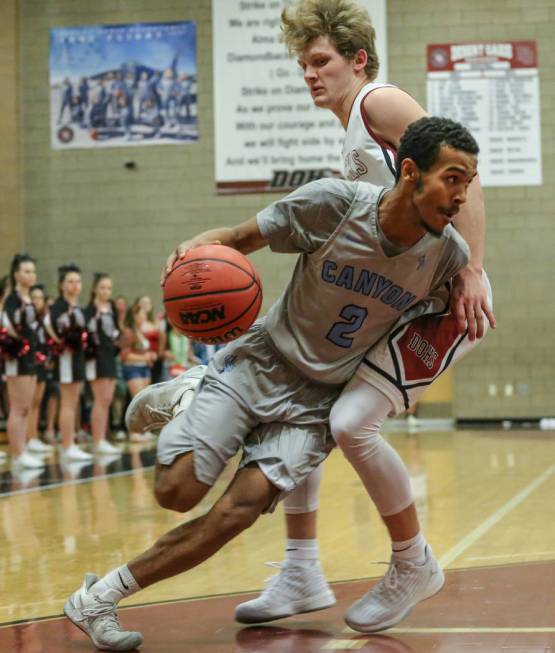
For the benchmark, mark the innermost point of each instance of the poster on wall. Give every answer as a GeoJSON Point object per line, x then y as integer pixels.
{"type": "Point", "coordinates": [269, 136]}
{"type": "Point", "coordinates": [123, 85]}
{"type": "Point", "coordinates": [493, 89]}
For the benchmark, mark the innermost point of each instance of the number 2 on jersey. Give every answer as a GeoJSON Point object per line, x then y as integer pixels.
{"type": "Point", "coordinates": [354, 317]}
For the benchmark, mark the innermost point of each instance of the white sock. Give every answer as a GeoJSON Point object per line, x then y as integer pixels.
{"type": "Point", "coordinates": [116, 585]}
{"type": "Point", "coordinates": [302, 553]}
{"type": "Point", "coordinates": [413, 549]}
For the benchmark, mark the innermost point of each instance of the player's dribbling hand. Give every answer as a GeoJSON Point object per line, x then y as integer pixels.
{"type": "Point", "coordinates": [469, 304]}
{"type": "Point", "coordinates": [180, 251]}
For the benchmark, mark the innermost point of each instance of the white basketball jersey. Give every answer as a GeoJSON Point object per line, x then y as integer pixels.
{"type": "Point", "coordinates": [366, 156]}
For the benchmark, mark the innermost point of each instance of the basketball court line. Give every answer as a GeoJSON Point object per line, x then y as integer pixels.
{"type": "Point", "coordinates": [493, 519]}
{"type": "Point", "coordinates": [461, 631]}
{"type": "Point", "coordinates": [526, 555]}
{"type": "Point", "coordinates": [470, 630]}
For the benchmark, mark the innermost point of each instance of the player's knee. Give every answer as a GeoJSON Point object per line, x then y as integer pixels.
{"type": "Point", "coordinates": [174, 496]}
{"type": "Point", "coordinates": [356, 440]}
{"type": "Point", "coordinates": [238, 515]}
{"type": "Point", "coordinates": [342, 428]}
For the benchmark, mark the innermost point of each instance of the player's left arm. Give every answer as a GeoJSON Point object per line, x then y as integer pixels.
{"type": "Point", "coordinates": [390, 111]}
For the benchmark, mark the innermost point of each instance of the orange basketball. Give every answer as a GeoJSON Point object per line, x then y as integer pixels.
{"type": "Point", "coordinates": [213, 295]}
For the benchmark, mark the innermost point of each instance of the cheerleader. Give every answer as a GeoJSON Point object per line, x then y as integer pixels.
{"type": "Point", "coordinates": [68, 323]}
{"type": "Point", "coordinates": [19, 343]}
{"type": "Point", "coordinates": [101, 319]}
{"type": "Point", "coordinates": [42, 359]}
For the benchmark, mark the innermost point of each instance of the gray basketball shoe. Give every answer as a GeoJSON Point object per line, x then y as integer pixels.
{"type": "Point", "coordinates": [99, 619]}
{"type": "Point", "coordinates": [391, 600]}
{"type": "Point", "coordinates": [152, 408]}
{"type": "Point", "coordinates": [293, 590]}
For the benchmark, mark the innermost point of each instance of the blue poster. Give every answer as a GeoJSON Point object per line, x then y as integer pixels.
{"type": "Point", "coordinates": [123, 85]}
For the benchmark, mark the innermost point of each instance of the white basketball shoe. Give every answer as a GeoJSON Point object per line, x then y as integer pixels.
{"type": "Point", "coordinates": [99, 619]}
{"type": "Point", "coordinates": [293, 590]}
{"type": "Point", "coordinates": [152, 408]}
{"type": "Point", "coordinates": [390, 601]}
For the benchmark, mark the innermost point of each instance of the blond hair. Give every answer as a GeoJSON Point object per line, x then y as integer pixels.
{"type": "Point", "coordinates": [345, 23]}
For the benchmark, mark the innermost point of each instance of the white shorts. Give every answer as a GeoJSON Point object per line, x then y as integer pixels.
{"type": "Point", "coordinates": [251, 399]}
{"type": "Point", "coordinates": [423, 344]}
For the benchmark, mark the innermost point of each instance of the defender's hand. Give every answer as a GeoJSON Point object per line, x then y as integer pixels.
{"type": "Point", "coordinates": [469, 304]}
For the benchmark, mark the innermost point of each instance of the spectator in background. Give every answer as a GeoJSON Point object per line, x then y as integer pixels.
{"type": "Point", "coordinates": [103, 333]}
{"type": "Point", "coordinates": [120, 396]}
{"type": "Point", "coordinates": [179, 354]}
{"type": "Point", "coordinates": [154, 331]}
{"type": "Point", "coordinates": [137, 358]}
{"type": "Point", "coordinates": [122, 306]}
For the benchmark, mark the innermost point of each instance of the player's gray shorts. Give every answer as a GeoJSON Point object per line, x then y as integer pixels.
{"type": "Point", "coordinates": [251, 399]}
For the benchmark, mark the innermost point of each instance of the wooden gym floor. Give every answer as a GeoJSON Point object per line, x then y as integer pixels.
{"type": "Point", "coordinates": [485, 499]}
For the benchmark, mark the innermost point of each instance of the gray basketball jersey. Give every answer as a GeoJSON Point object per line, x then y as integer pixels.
{"type": "Point", "coordinates": [345, 293]}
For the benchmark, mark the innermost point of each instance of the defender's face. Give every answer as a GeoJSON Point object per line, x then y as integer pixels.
{"type": "Point", "coordinates": [441, 191]}
{"type": "Point", "coordinates": [328, 74]}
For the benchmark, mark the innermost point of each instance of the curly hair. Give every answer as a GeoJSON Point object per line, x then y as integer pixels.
{"type": "Point", "coordinates": [344, 22]}
{"type": "Point", "coordinates": [424, 138]}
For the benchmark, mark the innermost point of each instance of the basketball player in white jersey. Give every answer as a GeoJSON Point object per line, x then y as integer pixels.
{"type": "Point", "coordinates": [334, 43]}
{"type": "Point", "coordinates": [269, 392]}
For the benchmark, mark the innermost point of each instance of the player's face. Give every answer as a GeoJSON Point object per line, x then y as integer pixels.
{"type": "Point", "coordinates": [441, 191]}
{"type": "Point", "coordinates": [103, 290]}
{"type": "Point", "coordinates": [71, 285]}
{"type": "Point", "coordinates": [329, 75]}
{"type": "Point", "coordinates": [26, 275]}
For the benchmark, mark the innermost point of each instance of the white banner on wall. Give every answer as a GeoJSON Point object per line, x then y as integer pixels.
{"type": "Point", "coordinates": [493, 89]}
{"type": "Point", "coordinates": [269, 136]}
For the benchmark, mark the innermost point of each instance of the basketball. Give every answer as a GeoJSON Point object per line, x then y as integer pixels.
{"type": "Point", "coordinates": [213, 295]}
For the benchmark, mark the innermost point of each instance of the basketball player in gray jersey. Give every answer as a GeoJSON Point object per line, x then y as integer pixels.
{"type": "Point", "coordinates": [269, 392]}
{"type": "Point", "coordinates": [334, 43]}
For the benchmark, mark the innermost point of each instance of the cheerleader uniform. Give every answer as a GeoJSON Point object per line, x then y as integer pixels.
{"type": "Point", "coordinates": [101, 344]}
{"type": "Point", "coordinates": [19, 319]}
{"type": "Point", "coordinates": [43, 354]}
{"type": "Point", "coordinates": [68, 323]}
